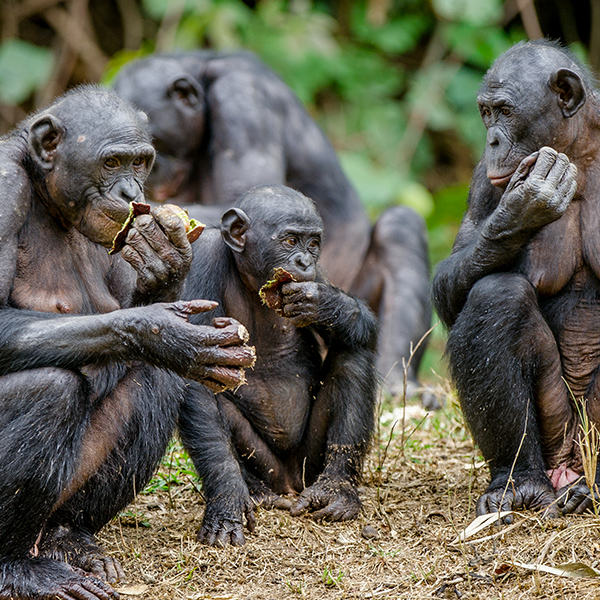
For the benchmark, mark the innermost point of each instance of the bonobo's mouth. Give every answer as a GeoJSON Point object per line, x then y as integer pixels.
{"type": "Point", "coordinates": [500, 180]}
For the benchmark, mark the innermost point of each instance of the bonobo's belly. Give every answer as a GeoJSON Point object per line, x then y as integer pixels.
{"type": "Point", "coordinates": [278, 398]}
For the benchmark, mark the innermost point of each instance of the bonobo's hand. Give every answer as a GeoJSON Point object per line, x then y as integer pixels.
{"type": "Point", "coordinates": [222, 524]}
{"type": "Point", "coordinates": [303, 302]}
{"type": "Point", "coordinates": [214, 356]}
{"type": "Point", "coordinates": [538, 193]}
{"type": "Point", "coordinates": [331, 499]}
{"type": "Point", "coordinates": [158, 249]}
{"type": "Point", "coordinates": [576, 498]}
{"type": "Point", "coordinates": [526, 490]}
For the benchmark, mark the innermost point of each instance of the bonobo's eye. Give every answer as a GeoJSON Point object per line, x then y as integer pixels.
{"type": "Point", "coordinates": [139, 161]}
{"type": "Point", "coordinates": [314, 244]}
{"type": "Point", "coordinates": [485, 111]}
{"type": "Point", "coordinates": [505, 111]}
{"type": "Point", "coordinates": [290, 241]}
{"type": "Point", "coordinates": [112, 162]}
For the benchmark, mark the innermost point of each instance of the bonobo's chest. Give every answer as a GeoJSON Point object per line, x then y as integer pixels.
{"type": "Point", "coordinates": [60, 272]}
{"type": "Point", "coordinates": [565, 248]}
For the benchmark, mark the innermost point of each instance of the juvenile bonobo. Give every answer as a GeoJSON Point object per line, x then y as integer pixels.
{"type": "Point", "coordinates": [521, 290]}
{"type": "Point", "coordinates": [304, 420]}
{"type": "Point", "coordinates": [90, 369]}
{"type": "Point", "coordinates": [223, 123]}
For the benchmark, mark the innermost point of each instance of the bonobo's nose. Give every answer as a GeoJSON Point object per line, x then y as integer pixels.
{"type": "Point", "coordinates": [127, 190]}
{"type": "Point", "coordinates": [304, 266]}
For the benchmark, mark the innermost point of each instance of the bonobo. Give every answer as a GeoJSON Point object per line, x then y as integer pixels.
{"type": "Point", "coordinates": [90, 369]}
{"type": "Point", "coordinates": [223, 123]}
{"type": "Point", "coordinates": [304, 420]}
{"type": "Point", "coordinates": [521, 290]}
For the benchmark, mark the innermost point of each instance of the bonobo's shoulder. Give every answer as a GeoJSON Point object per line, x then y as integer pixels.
{"type": "Point", "coordinates": [483, 196]}
{"type": "Point", "coordinates": [15, 187]}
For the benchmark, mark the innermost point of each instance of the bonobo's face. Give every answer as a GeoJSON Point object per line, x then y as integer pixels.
{"type": "Point", "coordinates": [174, 103]}
{"type": "Point", "coordinates": [95, 153]}
{"type": "Point", "coordinates": [273, 227]}
{"type": "Point", "coordinates": [522, 106]}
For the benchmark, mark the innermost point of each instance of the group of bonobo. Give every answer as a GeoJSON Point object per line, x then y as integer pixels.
{"type": "Point", "coordinates": [269, 368]}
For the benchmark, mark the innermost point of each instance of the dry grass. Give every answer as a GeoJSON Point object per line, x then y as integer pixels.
{"type": "Point", "coordinates": [417, 500]}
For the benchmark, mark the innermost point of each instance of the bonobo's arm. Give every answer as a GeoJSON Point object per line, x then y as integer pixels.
{"type": "Point", "coordinates": [159, 334]}
{"type": "Point", "coordinates": [337, 316]}
{"type": "Point", "coordinates": [493, 232]}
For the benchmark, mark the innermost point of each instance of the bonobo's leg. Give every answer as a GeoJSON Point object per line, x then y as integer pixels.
{"type": "Point", "coordinates": [505, 363]}
{"type": "Point", "coordinates": [337, 436]}
{"type": "Point", "coordinates": [44, 416]}
{"type": "Point", "coordinates": [207, 439]}
{"type": "Point", "coordinates": [136, 421]}
{"type": "Point", "coordinates": [255, 454]}
{"type": "Point", "coordinates": [394, 280]}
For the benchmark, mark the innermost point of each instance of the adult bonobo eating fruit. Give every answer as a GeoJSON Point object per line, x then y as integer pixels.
{"type": "Point", "coordinates": [90, 369]}
{"type": "Point", "coordinates": [304, 420]}
{"type": "Point", "coordinates": [521, 290]}
{"type": "Point", "coordinates": [223, 123]}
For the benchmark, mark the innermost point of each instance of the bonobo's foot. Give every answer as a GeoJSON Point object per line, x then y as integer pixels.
{"type": "Point", "coordinates": [47, 579]}
{"type": "Point", "coordinates": [532, 490]}
{"type": "Point", "coordinates": [78, 548]}
{"type": "Point", "coordinates": [331, 499]}
{"type": "Point", "coordinates": [223, 520]}
{"type": "Point", "coordinates": [576, 498]}
{"type": "Point", "coordinates": [262, 495]}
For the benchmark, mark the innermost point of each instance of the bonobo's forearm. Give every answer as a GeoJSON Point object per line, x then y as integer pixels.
{"type": "Point", "coordinates": [489, 252]}
{"type": "Point", "coordinates": [347, 319]}
{"type": "Point", "coordinates": [30, 339]}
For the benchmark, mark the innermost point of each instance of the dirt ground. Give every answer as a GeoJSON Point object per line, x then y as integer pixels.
{"type": "Point", "coordinates": [419, 494]}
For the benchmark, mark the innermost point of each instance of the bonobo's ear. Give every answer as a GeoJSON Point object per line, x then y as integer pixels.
{"type": "Point", "coordinates": [234, 224]}
{"type": "Point", "coordinates": [45, 135]}
{"type": "Point", "coordinates": [186, 91]}
{"type": "Point", "coordinates": [571, 91]}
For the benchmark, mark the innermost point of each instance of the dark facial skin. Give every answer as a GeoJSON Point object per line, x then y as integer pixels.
{"type": "Point", "coordinates": [94, 349]}
{"type": "Point", "coordinates": [301, 420]}
{"type": "Point", "coordinates": [223, 123]}
{"type": "Point", "coordinates": [520, 291]}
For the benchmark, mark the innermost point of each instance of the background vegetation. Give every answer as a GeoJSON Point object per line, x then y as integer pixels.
{"type": "Point", "coordinates": [392, 82]}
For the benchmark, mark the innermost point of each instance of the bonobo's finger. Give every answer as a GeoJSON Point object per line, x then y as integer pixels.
{"type": "Point", "coordinates": [135, 259]}
{"type": "Point", "coordinates": [544, 163]}
{"type": "Point", "coordinates": [337, 511]}
{"type": "Point", "coordinates": [292, 287]}
{"type": "Point", "coordinates": [241, 333]}
{"type": "Point", "coordinates": [193, 307]}
{"type": "Point", "coordinates": [153, 245]}
{"type": "Point", "coordinates": [492, 502]}
{"type": "Point", "coordinates": [522, 171]}
{"type": "Point", "coordinates": [172, 224]}
{"type": "Point", "coordinates": [91, 588]}
{"type": "Point", "coordinates": [113, 570]}
{"type": "Point", "coordinates": [250, 514]}
{"type": "Point", "coordinates": [575, 499]}
{"type": "Point", "coordinates": [558, 169]}
{"type": "Point", "coordinates": [304, 502]}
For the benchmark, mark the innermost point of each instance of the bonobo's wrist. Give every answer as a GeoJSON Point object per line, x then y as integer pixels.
{"type": "Point", "coordinates": [344, 462]}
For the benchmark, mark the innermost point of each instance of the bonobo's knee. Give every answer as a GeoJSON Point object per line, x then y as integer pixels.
{"type": "Point", "coordinates": [508, 292]}
{"type": "Point", "coordinates": [399, 225]}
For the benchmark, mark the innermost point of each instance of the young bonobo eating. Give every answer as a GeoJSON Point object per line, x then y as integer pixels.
{"type": "Point", "coordinates": [521, 290]}
{"type": "Point", "coordinates": [303, 422]}
{"type": "Point", "coordinates": [93, 347]}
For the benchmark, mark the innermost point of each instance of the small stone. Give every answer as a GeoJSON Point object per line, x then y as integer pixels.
{"type": "Point", "coordinates": [369, 533]}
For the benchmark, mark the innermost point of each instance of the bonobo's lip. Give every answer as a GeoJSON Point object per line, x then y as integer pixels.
{"type": "Point", "coordinates": [500, 180]}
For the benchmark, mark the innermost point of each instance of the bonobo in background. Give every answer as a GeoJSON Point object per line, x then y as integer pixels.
{"type": "Point", "coordinates": [223, 123]}
{"type": "Point", "coordinates": [90, 369]}
{"type": "Point", "coordinates": [304, 420]}
{"type": "Point", "coordinates": [521, 290]}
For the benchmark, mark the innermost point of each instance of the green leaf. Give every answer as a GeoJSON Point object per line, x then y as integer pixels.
{"type": "Point", "coordinates": [24, 67]}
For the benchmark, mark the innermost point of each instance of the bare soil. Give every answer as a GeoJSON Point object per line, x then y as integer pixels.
{"type": "Point", "coordinates": [419, 493]}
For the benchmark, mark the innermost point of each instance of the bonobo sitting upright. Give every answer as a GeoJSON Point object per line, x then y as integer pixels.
{"type": "Point", "coordinates": [521, 290]}
{"type": "Point", "coordinates": [223, 123]}
{"type": "Point", "coordinates": [90, 369]}
{"type": "Point", "coordinates": [304, 420]}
